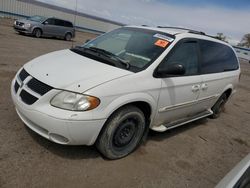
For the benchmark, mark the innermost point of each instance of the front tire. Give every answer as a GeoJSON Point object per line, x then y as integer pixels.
{"type": "Point", "coordinates": [122, 133]}
{"type": "Point", "coordinates": [37, 33]}
{"type": "Point", "coordinates": [219, 106]}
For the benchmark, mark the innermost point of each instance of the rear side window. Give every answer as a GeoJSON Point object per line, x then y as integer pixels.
{"type": "Point", "coordinates": [216, 57]}
{"type": "Point", "coordinates": [68, 24]}
{"type": "Point", "coordinates": [59, 22]}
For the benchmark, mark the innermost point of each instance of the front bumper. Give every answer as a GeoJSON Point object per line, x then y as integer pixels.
{"type": "Point", "coordinates": [59, 130]}
{"type": "Point", "coordinates": [22, 29]}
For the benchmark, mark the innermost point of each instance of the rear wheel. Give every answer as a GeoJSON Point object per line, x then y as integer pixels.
{"type": "Point", "coordinates": [37, 33]}
{"type": "Point", "coordinates": [68, 37]}
{"type": "Point", "coordinates": [219, 106]}
{"type": "Point", "coordinates": [122, 133]}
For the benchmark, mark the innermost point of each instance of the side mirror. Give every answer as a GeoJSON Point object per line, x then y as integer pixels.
{"type": "Point", "coordinates": [170, 70]}
{"type": "Point", "coordinates": [45, 23]}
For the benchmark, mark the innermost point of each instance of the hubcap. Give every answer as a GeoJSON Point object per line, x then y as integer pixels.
{"type": "Point", "coordinates": [38, 33]}
{"type": "Point", "coordinates": [68, 37]}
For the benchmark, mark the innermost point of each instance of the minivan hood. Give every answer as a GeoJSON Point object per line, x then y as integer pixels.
{"type": "Point", "coordinates": [67, 70]}
{"type": "Point", "coordinates": [25, 21]}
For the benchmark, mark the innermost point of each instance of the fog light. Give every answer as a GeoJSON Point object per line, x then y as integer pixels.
{"type": "Point", "coordinates": [58, 138]}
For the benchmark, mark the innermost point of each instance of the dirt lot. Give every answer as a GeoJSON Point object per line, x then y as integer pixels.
{"type": "Point", "coordinates": [196, 155]}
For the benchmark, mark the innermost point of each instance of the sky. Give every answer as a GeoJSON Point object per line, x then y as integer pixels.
{"type": "Point", "coordinates": [231, 17]}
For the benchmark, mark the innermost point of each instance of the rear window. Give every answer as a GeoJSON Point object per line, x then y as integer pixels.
{"type": "Point", "coordinates": [217, 57]}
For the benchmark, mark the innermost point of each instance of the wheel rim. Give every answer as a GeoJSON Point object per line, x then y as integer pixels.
{"type": "Point", "coordinates": [68, 37]}
{"type": "Point", "coordinates": [38, 33]}
{"type": "Point", "coordinates": [125, 133]}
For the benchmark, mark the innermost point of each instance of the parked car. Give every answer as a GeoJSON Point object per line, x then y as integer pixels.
{"type": "Point", "coordinates": [40, 26]}
{"type": "Point", "coordinates": [238, 177]}
{"type": "Point", "coordinates": [111, 90]}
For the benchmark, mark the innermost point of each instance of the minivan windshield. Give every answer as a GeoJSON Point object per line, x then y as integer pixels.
{"type": "Point", "coordinates": [36, 18]}
{"type": "Point", "coordinates": [129, 48]}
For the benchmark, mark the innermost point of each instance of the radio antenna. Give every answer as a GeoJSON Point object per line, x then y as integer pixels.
{"type": "Point", "coordinates": [72, 43]}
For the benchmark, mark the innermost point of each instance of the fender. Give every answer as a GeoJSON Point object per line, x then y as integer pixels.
{"type": "Point", "coordinates": [36, 27]}
{"type": "Point", "coordinates": [69, 33]}
{"type": "Point", "coordinates": [130, 98]}
{"type": "Point", "coordinates": [231, 87]}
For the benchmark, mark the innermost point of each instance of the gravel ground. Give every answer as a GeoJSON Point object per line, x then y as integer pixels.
{"type": "Point", "coordinates": [195, 155]}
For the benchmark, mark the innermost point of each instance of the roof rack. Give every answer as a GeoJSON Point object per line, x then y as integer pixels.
{"type": "Point", "coordinates": [182, 28]}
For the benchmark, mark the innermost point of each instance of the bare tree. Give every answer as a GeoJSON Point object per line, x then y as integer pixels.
{"type": "Point", "coordinates": [221, 36]}
{"type": "Point", "coordinates": [245, 41]}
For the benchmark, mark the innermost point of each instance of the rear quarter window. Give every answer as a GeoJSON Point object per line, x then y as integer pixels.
{"type": "Point", "coordinates": [217, 57]}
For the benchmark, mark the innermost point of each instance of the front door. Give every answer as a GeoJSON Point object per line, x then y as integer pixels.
{"type": "Point", "coordinates": [49, 28]}
{"type": "Point", "coordinates": [179, 94]}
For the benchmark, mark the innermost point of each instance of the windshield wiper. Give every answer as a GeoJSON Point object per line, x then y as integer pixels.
{"type": "Point", "coordinates": [83, 51]}
{"type": "Point", "coordinates": [109, 54]}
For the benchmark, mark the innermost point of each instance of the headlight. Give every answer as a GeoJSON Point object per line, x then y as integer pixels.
{"type": "Point", "coordinates": [27, 25]}
{"type": "Point", "coordinates": [15, 22]}
{"type": "Point", "coordinates": [74, 101]}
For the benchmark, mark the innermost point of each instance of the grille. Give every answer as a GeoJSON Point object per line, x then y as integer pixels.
{"type": "Point", "coordinates": [38, 87]}
{"type": "Point", "coordinates": [33, 84]}
{"type": "Point", "coordinates": [19, 23]}
{"type": "Point", "coordinates": [27, 97]}
{"type": "Point", "coordinates": [23, 75]}
{"type": "Point", "coordinates": [16, 86]}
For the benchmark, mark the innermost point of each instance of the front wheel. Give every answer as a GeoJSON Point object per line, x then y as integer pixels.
{"type": "Point", "coordinates": [37, 33]}
{"type": "Point", "coordinates": [122, 133]}
{"type": "Point", "coordinates": [219, 106]}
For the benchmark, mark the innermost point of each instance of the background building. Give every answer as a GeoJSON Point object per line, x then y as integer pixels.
{"type": "Point", "coordinates": [85, 22]}
{"type": "Point", "coordinates": [243, 53]}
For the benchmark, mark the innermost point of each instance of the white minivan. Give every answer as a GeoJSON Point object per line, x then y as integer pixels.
{"type": "Point", "coordinates": [113, 89]}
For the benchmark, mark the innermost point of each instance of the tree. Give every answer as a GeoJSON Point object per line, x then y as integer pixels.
{"type": "Point", "coordinates": [245, 41]}
{"type": "Point", "coordinates": [221, 36]}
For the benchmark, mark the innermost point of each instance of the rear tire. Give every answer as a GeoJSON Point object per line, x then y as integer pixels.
{"type": "Point", "coordinates": [122, 133]}
{"type": "Point", "coordinates": [219, 106]}
{"type": "Point", "coordinates": [68, 37]}
{"type": "Point", "coordinates": [37, 33]}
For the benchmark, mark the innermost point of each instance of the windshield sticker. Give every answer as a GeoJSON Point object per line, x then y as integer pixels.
{"type": "Point", "coordinates": [169, 39]}
{"type": "Point", "coordinates": [161, 43]}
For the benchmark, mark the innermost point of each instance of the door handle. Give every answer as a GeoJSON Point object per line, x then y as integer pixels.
{"type": "Point", "coordinates": [195, 88]}
{"type": "Point", "coordinates": [204, 86]}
